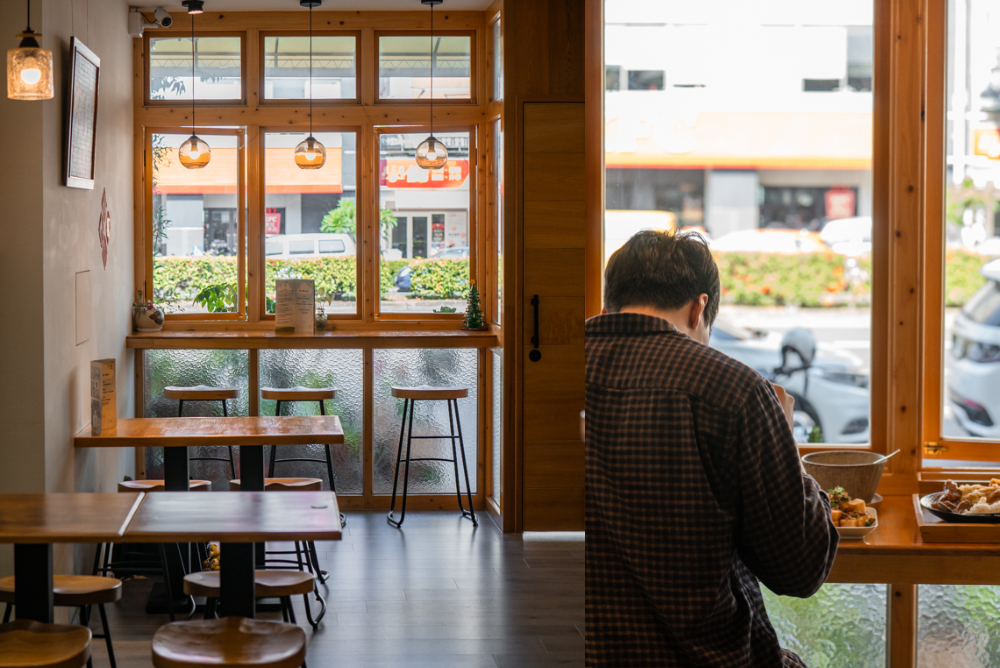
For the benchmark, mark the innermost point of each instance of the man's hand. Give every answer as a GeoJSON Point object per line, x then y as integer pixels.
{"type": "Point", "coordinates": [787, 404]}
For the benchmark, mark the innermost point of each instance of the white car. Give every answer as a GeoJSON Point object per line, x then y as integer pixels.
{"type": "Point", "coordinates": [298, 246]}
{"type": "Point", "coordinates": [790, 242]}
{"type": "Point", "coordinates": [973, 367]}
{"type": "Point", "coordinates": [848, 236]}
{"type": "Point", "coordinates": [830, 393]}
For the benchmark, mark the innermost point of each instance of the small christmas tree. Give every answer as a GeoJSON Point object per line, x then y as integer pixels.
{"type": "Point", "coordinates": [474, 311]}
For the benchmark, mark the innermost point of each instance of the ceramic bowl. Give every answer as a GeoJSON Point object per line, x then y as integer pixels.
{"type": "Point", "coordinates": [853, 470]}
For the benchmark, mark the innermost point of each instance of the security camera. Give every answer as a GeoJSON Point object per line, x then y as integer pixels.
{"type": "Point", "coordinates": [163, 18]}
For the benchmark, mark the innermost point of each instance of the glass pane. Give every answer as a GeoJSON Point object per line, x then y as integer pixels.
{"type": "Point", "coordinates": [958, 626]}
{"type": "Point", "coordinates": [185, 368]}
{"type": "Point", "coordinates": [195, 227]}
{"type": "Point", "coordinates": [425, 226]}
{"type": "Point", "coordinates": [775, 174]}
{"type": "Point", "coordinates": [310, 218]}
{"type": "Point", "coordinates": [404, 67]}
{"type": "Point", "coordinates": [217, 68]}
{"type": "Point", "coordinates": [341, 369]}
{"type": "Point", "coordinates": [972, 222]}
{"type": "Point", "coordinates": [435, 367]}
{"type": "Point", "coordinates": [497, 420]}
{"type": "Point", "coordinates": [286, 68]}
{"type": "Point", "coordinates": [497, 62]}
{"type": "Point", "coordinates": [842, 626]}
{"type": "Point", "coordinates": [498, 212]}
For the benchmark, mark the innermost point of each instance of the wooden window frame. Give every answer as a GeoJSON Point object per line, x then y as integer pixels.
{"type": "Point", "coordinates": [177, 33]}
{"type": "Point", "coordinates": [356, 100]}
{"type": "Point", "coordinates": [474, 217]}
{"type": "Point", "coordinates": [241, 220]}
{"type": "Point", "coordinates": [474, 80]}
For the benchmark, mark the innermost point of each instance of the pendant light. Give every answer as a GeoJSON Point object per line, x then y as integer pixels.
{"type": "Point", "coordinates": [432, 154]}
{"type": "Point", "coordinates": [195, 152]}
{"type": "Point", "coordinates": [29, 67]}
{"type": "Point", "coordinates": [310, 153]}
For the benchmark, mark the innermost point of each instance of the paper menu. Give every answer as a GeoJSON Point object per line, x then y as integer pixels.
{"type": "Point", "coordinates": [294, 306]}
{"type": "Point", "coordinates": [103, 402]}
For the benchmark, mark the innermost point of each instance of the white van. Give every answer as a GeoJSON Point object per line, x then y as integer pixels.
{"type": "Point", "coordinates": [293, 246]}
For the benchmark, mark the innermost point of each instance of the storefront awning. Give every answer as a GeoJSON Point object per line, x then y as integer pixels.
{"type": "Point", "coordinates": [282, 176]}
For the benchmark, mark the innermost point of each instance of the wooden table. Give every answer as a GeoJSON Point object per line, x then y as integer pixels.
{"type": "Point", "coordinates": [33, 522]}
{"type": "Point", "coordinates": [238, 520]}
{"type": "Point", "coordinates": [251, 434]}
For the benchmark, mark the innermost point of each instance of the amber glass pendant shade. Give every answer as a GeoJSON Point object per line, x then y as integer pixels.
{"type": "Point", "coordinates": [29, 70]}
{"type": "Point", "coordinates": [195, 153]}
{"type": "Point", "coordinates": [432, 154]}
{"type": "Point", "coordinates": [310, 154]}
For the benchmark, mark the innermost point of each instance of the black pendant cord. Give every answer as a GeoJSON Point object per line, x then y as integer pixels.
{"type": "Point", "coordinates": [192, 77]}
{"type": "Point", "coordinates": [310, 70]}
{"type": "Point", "coordinates": [431, 54]}
{"type": "Point", "coordinates": [29, 17]}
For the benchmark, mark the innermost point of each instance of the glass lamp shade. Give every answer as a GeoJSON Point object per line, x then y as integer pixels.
{"type": "Point", "coordinates": [432, 154]}
{"type": "Point", "coordinates": [310, 154]}
{"type": "Point", "coordinates": [195, 153]}
{"type": "Point", "coordinates": [29, 72]}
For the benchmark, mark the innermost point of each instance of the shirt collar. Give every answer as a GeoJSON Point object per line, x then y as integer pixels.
{"type": "Point", "coordinates": [627, 323]}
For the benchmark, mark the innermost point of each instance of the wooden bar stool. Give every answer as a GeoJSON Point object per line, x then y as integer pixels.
{"type": "Point", "coordinates": [29, 644]}
{"type": "Point", "coordinates": [158, 486]}
{"type": "Point", "coordinates": [75, 591]}
{"type": "Point", "coordinates": [205, 393]}
{"type": "Point", "coordinates": [308, 547]}
{"type": "Point", "coordinates": [299, 393]}
{"type": "Point", "coordinates": [233, 642]}
{"type": "Point", "coordinates": [267, 584]}
{"type": "Point", "coordinates": [410, 396]}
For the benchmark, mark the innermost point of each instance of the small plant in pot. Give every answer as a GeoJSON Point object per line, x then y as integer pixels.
{"type": "Point", "coordinates": [146, 317]}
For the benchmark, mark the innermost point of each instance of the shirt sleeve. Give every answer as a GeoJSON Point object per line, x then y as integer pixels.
{"type": "Point", "coordinates": [786, 537]}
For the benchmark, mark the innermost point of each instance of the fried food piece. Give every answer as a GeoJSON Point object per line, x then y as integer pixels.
{"type": "Point", "coordinates": [836, 516]}
{"type": "Point", "coordinates": [952, 493]}
{"type": "Point", "coordinates": [856, 506]}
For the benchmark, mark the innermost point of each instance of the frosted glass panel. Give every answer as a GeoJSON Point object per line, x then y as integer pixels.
{"type": "Point", "coordinates": [195, 367]}
{"type": "Point", "coordinates": [435, 367]}
{"type": "Point", "coordinates": [497, 419]}
{"type": "Point", "coordinates": [341, 369]}
{"type": "Point", "coordinates": [959, 626]}
{"type": "Point", "coordinates": [842, 626]}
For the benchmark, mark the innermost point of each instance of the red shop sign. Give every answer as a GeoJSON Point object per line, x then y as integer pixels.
{"type": "Point", "coordinates": [405, 173]}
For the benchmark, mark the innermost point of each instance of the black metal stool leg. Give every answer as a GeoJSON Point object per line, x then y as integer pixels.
{"type": "Point", "coordinates": [6, 613]}
{"type": "Point", "coordinates": [180, 408]}
{"type": "Point", "coordinates": [107, 635]}
{"type": "Point", "coordinates": [468, 484]}
{"type": "Point", "coordinates": [454, 458]}
{"type": "Point", "coordinates": [274, 448]}
{"type": "Point", "coordinates": [399, 455]}
{"type": "Point", "coordinates": [232, 461]}
{"type": "Point", "coordinates": [85, 622]}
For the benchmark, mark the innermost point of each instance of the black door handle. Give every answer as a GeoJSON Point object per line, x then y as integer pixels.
{"type": "Point", "coordinates": [535, 353]}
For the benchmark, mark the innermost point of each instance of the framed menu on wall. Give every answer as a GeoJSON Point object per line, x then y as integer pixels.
{"type": "Point", "coordinates": [81, 118]}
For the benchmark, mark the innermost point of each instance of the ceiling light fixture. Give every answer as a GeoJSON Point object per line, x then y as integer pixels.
{"type": "Point", "coordinates": [194, 153]}
{"type": "Point", "coordinates": [432, 154]}
{"type": "Point", "coordinates": [310, 153]}
{"type": "Point", "coordinates": [29, 67]}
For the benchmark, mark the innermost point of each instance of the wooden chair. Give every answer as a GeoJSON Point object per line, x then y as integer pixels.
{"type": "Point", "coordinates": [29, 644]}
{"type": "Point", "coordinates": [410, 396]}
{"type": "Point", "coordinates": [75, 591]}
{"type": "Point", "coordinates": [307, 547]}
{"type": "Point", "coordinates": [205, 393]}
{"type": "Point", "coordinates": [233, 642]}
{"type": "Point", "coordinates": [267, 584]}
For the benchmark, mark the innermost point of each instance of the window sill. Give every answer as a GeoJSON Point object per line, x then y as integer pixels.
{"type": "Point", "coordinates": [339, 338]}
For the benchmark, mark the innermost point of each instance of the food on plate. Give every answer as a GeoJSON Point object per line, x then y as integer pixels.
{"type": "Point", "coordinates": [848, 512]}
{"type": "Point", "coordinates": [970, 499]}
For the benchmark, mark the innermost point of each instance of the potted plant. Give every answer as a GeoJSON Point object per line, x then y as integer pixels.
{"type": "Point", "coordinates": [146, 317]}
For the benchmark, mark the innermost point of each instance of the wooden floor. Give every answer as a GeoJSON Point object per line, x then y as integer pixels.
{"type": "Point", "coordinates": [438, 593]}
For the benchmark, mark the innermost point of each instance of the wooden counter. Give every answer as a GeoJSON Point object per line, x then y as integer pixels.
{"type": "Point", "coordinates": [894, 553]}
{"type": "Point", "coordinates": [255, 339]}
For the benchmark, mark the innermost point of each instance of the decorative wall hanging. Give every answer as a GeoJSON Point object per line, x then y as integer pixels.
{"type": "Point", "coordinates": [104, 227]}
{"type": "Point", "coordinates": [81, 121]}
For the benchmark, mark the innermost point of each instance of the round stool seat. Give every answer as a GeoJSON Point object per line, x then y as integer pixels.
{"type": "Point", "coordinates": [29, 644]}
{"type": "Point", "coordinates": [298, 393]}
{"type": "Point", "coordinates": [232, 642]}
{"type": "Point", "coordinates": [158, 485]}
{"type": "Point", "coordinates": [284, 485]}
{"type": "Point", "coordinates": [201, 393]}
{"type": "Point", "coordinates": [266, 584]}
{"type": "Point", "coordinates": [73, 590]}
{"type": "Point", "coordinates": [428, 392]}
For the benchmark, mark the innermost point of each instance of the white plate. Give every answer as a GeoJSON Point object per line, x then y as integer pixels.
{"type": "Point", "coordinates": [857, 533]}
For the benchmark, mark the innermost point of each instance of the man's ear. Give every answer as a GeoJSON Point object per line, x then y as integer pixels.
{"type": "Point", "coordinates": [697, 311]}
{"type": "Point", "coordinates": [604, 310]}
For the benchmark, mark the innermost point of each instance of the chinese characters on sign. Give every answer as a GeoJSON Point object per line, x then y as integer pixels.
{"type": "Point", "coordinates": [405, 173]}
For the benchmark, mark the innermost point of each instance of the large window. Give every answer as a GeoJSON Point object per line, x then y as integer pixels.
{"type": "Point", "coordinates": [774, 172]}
{"type": "Point", "coordinates": [286, 67]}
{"type": "Point", "coordinates": [218, 68]}
{"type": "Point", "coordinates": [405, 63]}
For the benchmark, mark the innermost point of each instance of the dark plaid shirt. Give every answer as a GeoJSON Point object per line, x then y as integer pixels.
{"type": "Point", "coordinates": [694, 493]}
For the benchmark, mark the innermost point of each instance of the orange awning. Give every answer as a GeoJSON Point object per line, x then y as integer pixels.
{"type": "Point", "coordinates": [282, 176]}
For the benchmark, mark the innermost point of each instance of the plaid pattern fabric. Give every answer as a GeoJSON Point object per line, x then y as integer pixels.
{"type": "Point", "coordinates": [694, 492]}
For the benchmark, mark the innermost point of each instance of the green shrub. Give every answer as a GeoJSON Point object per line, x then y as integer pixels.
{"type": "Point", "coordinates": [961, 276]}
{"type": "Point", "coordinates": [440, 279]}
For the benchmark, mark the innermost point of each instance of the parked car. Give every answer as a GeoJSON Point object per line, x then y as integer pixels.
{"type": "Point", "coordinates": [297, 246]}
{"type": "Point", "coordinates": [830, 393]}
{"type": "Point", "coordinates": [790, 242]}
{"type": "Point", "coordinates": [973, 367]}
{"type": "Point", "coordinates": [402, 279]}
{"type": "Point", "coordinates": [848, 236]}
